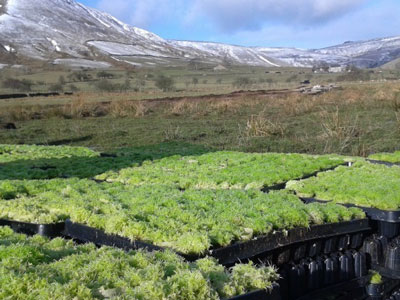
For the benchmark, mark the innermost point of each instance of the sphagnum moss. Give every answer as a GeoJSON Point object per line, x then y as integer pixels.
{"type": "Point", "coordinates": [189, 221]}
{"type": "Point", "coordinates": [364, 184]}
{"type": "Point", "coordinates": [37, 268]}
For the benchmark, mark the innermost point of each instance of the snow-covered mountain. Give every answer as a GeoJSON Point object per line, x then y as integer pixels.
{"type": "Point", "coordinates": [67, 32]}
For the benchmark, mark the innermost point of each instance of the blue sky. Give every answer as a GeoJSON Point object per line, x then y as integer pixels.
{"type": "Point", "coordinates": [293, 23]}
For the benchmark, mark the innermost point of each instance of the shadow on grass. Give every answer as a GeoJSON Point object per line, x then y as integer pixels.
{"type": "Point", "coordinates": [69, 141]}
{"type": "Point", "coordinates": [88, 167]}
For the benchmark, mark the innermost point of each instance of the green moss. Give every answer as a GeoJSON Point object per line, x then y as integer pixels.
{"type": "Point", "coordinates": [388, 157]}
{"type": "Point", "coordinates": [364, 184]}
{"type": "Point", "coordinates": [36, 268]}
{"type": "Point", "coordinates": [224, 170]}
{"type": "Point", "coordinates": [376, 278]}
{"type": "Point", "coordinates": [189, 221]}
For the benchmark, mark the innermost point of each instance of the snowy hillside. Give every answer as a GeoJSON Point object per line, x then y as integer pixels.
{"type": "Point", "coordinates": [67, 32]}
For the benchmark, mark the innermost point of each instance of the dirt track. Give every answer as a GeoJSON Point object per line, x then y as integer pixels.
{"type": "Point", "coordinates": [237, 94]}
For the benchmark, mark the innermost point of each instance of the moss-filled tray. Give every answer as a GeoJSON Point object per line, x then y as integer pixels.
{"type": "Point", "coordinates": [391, 158]}
{"type": "Point", "coordinates": [224, 170]}
{"type": "Point", "coordinates": [371, 187]}
{"type": "Point", "coordinates": [39, 268]}
{"type": "Point", "coordinates": [233, 253]}
{"type": "Point", "coordinates": [191, 222]}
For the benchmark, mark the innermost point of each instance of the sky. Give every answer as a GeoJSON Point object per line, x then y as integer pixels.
{"type": "Point", "coordinates": [269, 23]}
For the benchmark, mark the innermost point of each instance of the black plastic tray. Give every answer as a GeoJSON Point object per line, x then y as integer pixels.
{"type": "Point", "coordinates": [231, 254]}
{"type": "Point", "coordinates": [274, 294]}
{"type": "Point", "coordinates": [350, 290]}
{"type": "Point", "coordinates": [91, 235]}
{"type": "Point", "coordinates": [386, 272]}
{"type": "Point", "coordinates": [47, 230]}
{"type": "Point", "coordinates": [390, 216]}
{"type": "Point", "coordinates": [281, 186]}
{"type": "Point", "coordinates": [244, 250]}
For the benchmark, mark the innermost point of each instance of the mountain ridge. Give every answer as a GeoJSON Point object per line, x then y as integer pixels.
{"type": "Point", "coordinates": [61, 31]}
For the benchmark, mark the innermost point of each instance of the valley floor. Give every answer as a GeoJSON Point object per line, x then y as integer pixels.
{"type": "Point", "coordinates": [359, 119]}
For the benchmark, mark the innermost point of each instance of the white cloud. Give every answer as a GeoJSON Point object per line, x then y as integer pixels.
{"type": "Point", "coordinates": [140, 13]}
{"type": "Point", "coordinates": [372, 21]}
{"type": "Point", "coordinates": [235, 15]}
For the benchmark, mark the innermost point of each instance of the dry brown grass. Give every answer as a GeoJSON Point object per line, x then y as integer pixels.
{"type": "Point", "coordinates": [299, 104]}
{"type": "Point", "coordinates": [126, 108]}
{"type": "Point", "coordinates": [261, 126]}
{"type": "Point", "coordinates": [77, 108]}
{"type": "Point", "coordinates": [275, 106]}
{"type": "Point", "coordinates": [182, 107]}
{"type": "Point", "coordinates": [22, 113]}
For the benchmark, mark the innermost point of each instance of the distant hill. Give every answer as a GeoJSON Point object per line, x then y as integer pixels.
{"type": "Point", "coordinates": [69, 33]}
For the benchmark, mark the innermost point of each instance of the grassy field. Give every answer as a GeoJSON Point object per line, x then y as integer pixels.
{"type": "Point", "coordinates": [359, 119]}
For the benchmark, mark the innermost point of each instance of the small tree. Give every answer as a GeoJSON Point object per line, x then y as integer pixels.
{"type": "Point", "coordinates": [105, 75]}
{"type": "Point", "coordinates": [23, 85]}
{"type": "Point", "coordinates": [126, 85]}
{"type": "Point", "coordinates": [140, 83]}
{"type": "Point", "coordinates": [73, 88]}
{"type": "Point", "coordinates": [56, 87]}
{"type": "Point", "coordinates": [270, 81]}
{"type": "Point", "coordinates": [195, 80]}
{"type": "Point", "coordinates": [105, 86]}
{"type": "Point", "coordinates": [242, 82]}
{"type": "Point", "coordinates": [292, 78]}
{"type": "Point", "coordinates": [164, 83]}
{"type": "Point", "coordinates": [61, 80]}
{"type": "Point", "coordinates": [79, 76]}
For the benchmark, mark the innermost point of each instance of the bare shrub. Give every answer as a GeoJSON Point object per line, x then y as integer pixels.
{"type": "Point", "coordinates": [172, 133]}
{"type": "Point", "coordinates": [396, 103]}
{"type": "Point", "coordinates": [260, 126]}
{"type": "Point", "coordinates": [397, 115]}
{"type": "Point", "coordinates": [339, 129]}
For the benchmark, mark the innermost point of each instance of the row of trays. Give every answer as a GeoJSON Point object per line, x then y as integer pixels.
{"type": "Point", "coordinates": [310, 259]}
{"type": "Point", "coordinates": [297, 243]}
{"type": "Point", "coordinates": [295, 246]}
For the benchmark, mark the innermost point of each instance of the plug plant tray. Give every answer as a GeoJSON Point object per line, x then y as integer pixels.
{"type": "Point", "coordinates": [389, 273]}
{"type": "Point", "coordinates": [231, 254]}
{"type": "Point", "coordinates": [313, 274]}
{"type": "Point", "coordinates": [274, 294]}
{"type": "Point", "coordinates": [88, 234]}
{"type": "Point", "coordinates": [281, 186]}
{"type": "Point", "coordinates": [385, 163]}
{"type": "Point", "coordinates": [349, 290]}
{"type": "Point", "coordinates": [47, 230]}
{"type": "Point", "coordinates": [390, 216]}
